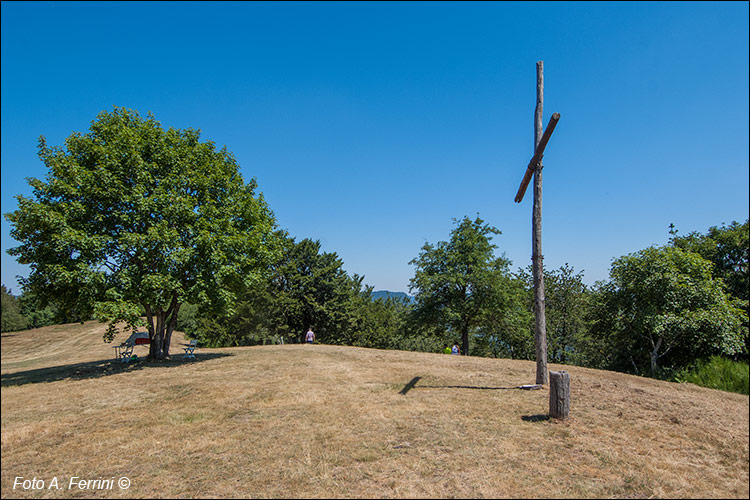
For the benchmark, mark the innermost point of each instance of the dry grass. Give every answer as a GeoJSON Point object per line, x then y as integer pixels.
{"type": "Point", "coordinates": [301, 421]}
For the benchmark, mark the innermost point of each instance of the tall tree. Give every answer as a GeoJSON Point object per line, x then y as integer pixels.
{"type": "Point", "coordinates": [311, 289]}
{"type": "Point", "coordinates": [567, 306]}
{"type": "Point", "coordinates": [305, 288]}
{"type": "Point", "coordinates": [454, 280]}
{"type": "Point", "coordinates": [728, 249]}
{"type": "Point", "coordinates": [507, 327]}
{"type": "Point", "coordinates": [135, 220]}
{"type": "Point", "coordinates": [663, 307]}
{"type": "Point", "coordinates": [382, 322]}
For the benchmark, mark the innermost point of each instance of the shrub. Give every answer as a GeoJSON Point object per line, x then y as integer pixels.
{"type": "Point", "coordinates": [718, 373]}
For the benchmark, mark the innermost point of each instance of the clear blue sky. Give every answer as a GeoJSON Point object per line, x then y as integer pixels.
{"type": "Point", "coordinates": [370, 126]}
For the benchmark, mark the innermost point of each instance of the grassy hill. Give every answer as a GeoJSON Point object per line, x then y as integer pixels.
{"type": "Point", "coordinates": [302, 421]}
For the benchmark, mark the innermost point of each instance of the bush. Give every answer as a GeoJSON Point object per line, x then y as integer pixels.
{"type": "Point", "coordinates": [718, 373]}
{"type": "Point", "coordinates": [418, 344]}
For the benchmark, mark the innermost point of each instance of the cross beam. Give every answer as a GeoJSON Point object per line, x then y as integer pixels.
{"type": "Point", "coordinates": [537, 158]}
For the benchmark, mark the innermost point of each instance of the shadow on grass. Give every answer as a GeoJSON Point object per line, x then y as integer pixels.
{"type": "Point", "coordinates": [535, 418]}
{"type": "Point", "coordinates": [480, 387]}
{"type": "Point", "coordinates": [97, 369]}
{"type": "Point", "coordinates": [413, 382]}
{"type": "Point", "coordinates": [409, 386]}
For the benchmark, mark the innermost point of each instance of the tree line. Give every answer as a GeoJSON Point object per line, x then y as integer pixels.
{"type": "Point", "coordinates": [135, 221]}
{"type": "Point", "coordinates": [662, 309]}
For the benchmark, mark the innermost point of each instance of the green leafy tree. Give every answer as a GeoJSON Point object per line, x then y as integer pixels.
{"type": "Point", "coordinates": [135, 220]}
{"type": "Point", "coordinates": [382, 323]}
{"type": "Point", "coordinates": [456, 281]}
{"type": "Point", "coordinates": [602, 346]}
{"type": "Point", "coordinates": [305, 288]}
{"type": "Point", "coordinates": [728, 249]}
{"type": "Point", "coordinates": [662, 307]}
{"type": "Point", "coordinates": [310, 288]}
{"type": "Point", "coordinates": [567, 302]}
{"type": "Point", "coordinates": [11, 317]}
{"type": "Point", "coordinates": [36, 315]}
{"type": "Point", "coordinates": [506, 328]}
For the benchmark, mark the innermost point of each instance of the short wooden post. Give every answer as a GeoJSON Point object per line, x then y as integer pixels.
{"type": "Point", "coordinates": [559, 394]}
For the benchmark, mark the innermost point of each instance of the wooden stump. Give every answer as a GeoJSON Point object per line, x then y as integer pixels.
{"type": "Point", "coordinates": [559, 394]}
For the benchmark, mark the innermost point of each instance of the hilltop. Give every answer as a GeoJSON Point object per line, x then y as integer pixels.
{"type": "Point", "coordinates": [301, 421]}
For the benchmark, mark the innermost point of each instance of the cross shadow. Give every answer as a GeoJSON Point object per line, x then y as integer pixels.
{"type": "Point", "coordinates": [98, 369]}
{"type": "Point", "coordinates": [413, 382]}
{"type": "Point", "coordinates": [409, 386]}
{"type": "Point", "coordinates": [480, 387]}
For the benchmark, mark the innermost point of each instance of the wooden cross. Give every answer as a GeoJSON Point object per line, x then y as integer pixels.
{"type": "Point", "coordinates": [535, 168]}
{"type": "Point", "coordinates": [536, 160]}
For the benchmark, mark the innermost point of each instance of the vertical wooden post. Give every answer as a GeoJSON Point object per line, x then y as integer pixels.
{"type": "Point", "coordinates": [559, 394]}
{"type": "Point", "coordinates": [540, 325]}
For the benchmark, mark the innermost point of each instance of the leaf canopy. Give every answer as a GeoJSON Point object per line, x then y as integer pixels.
{"type": "Point", "coordinates": [132, 216]}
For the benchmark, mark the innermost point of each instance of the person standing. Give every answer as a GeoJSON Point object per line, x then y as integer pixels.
{"type": "Point", "coordinates": [456, 350]}
{"type": "Point", "coordinates": [309, 336]}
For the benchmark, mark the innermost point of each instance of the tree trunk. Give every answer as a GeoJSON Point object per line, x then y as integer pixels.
{"type": "Point", "coordinates": [540, 325]}
{"type": "Point", "coordinates": [161, 332]}
{"type": "Point", "coordinates": [171, 323]}
{"type": "Point", "coordinates": [155, 349]}
{"type": "Point", "coordinates": [655, 356]}
{"type": "Point", "coordinates": [156, 332]}
{"type": "Point", "coordinates": [465, 341]}
{"type": "Point", "coordinates": [170, 328]}
{"type": "Point", "coordinates": [152, 348]}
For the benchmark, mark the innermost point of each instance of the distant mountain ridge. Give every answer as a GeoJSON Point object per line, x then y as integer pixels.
{"type": "Point", "coordinates": [386, 294]}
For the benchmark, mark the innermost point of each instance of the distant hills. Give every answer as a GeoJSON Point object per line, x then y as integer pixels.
{"type": "Point", "coordinates": [385, 294]}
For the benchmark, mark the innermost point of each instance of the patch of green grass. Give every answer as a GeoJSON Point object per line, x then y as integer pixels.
{"type": "Point", "coordinates": [718, 373]}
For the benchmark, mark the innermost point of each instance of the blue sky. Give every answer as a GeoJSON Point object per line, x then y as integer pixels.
{"type": "Point", "coordinates": [370, 126]}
